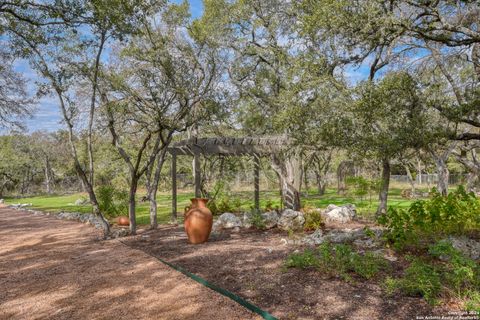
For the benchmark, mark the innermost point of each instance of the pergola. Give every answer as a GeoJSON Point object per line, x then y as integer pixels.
{"type": "Point", "coordinates": [246, 146]}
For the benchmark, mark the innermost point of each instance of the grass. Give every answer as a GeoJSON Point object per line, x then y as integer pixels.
{"type": "Point", "coordinates": [365, 207]}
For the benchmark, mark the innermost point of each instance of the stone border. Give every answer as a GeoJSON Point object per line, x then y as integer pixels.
{"type": "Point", "coordinates": [86, 218]}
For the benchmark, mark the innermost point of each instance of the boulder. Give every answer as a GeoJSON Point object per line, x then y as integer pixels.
{"type": "Point", "coordinates": [469, 247]}
{"type": "Point", "coordinates": [338, 214]}
{"type": "Point", "coordinates": [227, 221]}
{"type": "Point", "coordinates": [357, 236]}
{"type": "Point", "coordinates": [247, 220]}
{"type": "Point", "coordinates": [315, 238]}
{"type": "Point", "coordinates": [291, 220]}
{"type": "Point", "coordinates": [271, 219]}
{"type": "Point", "coordinates": [2, 201]}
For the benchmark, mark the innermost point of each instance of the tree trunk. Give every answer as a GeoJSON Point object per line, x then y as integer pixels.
{"type": "Point", "coordinates": [131, 204]}
{"type": "Point", "coordinates": [153, 188]}
{"type": "Point", "coordinates": [48, 170]}
{"type": "Point", "coordinates": [321, 185]}
{"type": "Point", "coordinates": [289, 171]}
{"type": "Point", "coordinates": [345, 168]}
{"type": "Point", "coordinates": [410, 180]}
{"type": "Point", "coordinates": [443, 174]}
{"type": "Point", "coordinates": [383, 196]}
{"type": "Point", "coordinates": [305, 180]}
{"type": "Point", "coordinates": [419, 171]}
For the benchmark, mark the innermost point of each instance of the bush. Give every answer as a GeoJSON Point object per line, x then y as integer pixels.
{"type": "Point", "coordinates": [257, 220]}
{"type": "Point", "coordinates": [338, 260]}
{"type": "Point", "coordinates": [112, 202]}
{"type": "Point", "coordinates": [422, 279]}
{"type": "Point", "coordinates": [313, 219]}
{"type": "Point", "coordinates": [448, 273]}
{"type": "Point", "coordinates": [459, 272]}
{"type": "Point", "coordinates": [457, 213]}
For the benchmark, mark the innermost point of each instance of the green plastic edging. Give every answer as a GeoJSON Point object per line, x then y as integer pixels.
{"type": "Point", "coordinates": [264, 314]}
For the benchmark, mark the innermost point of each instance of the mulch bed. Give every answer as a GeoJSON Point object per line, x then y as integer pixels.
{"type": "Point", "coordinates": [250, 264]}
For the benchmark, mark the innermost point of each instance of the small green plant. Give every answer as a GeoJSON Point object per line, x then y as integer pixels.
{"type": "Point", "coordinates": [303, 260]}
{"type": "Point", "coordinates": [224, 204]}
{"type": "Point", "coordinates": [368, 265]}
{"type": "Point", "coordinates": [457, 213]}
{"type": "Point", "coordinates": [422, 279]}
{"type": "Point", "coordinates": [112, 202]}
{"type": "Point", "coordinates": [459, 272]}
{"type": "Point", "coordinates": [473, 301]}
{"type": "Point", "coordinates": [313, 219]}
{"type": "Point", "coordinates": [338, 260]}
{"type": "Point", "coordinates": [257, 220]}
{"type": "Point", "coordinates": [445, 272]}
{"type": "Point", "coordinates": [269, 205]}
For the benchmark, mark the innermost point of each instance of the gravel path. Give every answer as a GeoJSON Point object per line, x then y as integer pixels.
{"type": "Point", "coordinates": [54, 269]}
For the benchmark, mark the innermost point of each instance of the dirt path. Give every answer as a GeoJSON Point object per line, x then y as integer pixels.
{"type": "Point", "coordinates": [53, 269]}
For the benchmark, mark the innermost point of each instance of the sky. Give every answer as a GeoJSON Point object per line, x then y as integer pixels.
{"type": "Point", "coordinates": [47, 116]}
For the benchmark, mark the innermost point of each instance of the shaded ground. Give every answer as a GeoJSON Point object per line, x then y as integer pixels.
{"type": "Point", "coordinates": [250, 263]}
{"type": "Point", "coordinates": [53, 269]}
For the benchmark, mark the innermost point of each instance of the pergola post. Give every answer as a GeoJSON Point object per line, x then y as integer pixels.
{"type": "Point", "coordinates": [256, 180]}
{"type": "Point", "coordinates": [174, 187]}
{"type": "Point", "coordinates": [196, 173]}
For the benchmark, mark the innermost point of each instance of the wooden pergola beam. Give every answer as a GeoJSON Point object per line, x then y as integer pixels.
{"type": "Point", "coordinates": [246, 146]}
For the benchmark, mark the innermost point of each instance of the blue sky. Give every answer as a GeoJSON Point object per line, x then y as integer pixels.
{"type": "Point", "coordinates": [47, 115]}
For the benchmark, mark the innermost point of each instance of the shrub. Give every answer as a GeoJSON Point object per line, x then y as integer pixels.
{"type": "Point", "coordinates": [313, 219]}
{"type": "Point", "coordinates": [224, 204]}
{"type": "Point", "coordinates": [257, 219]}
{"type": "Point", "coordinates": [303, 260]}
{"type": "Point", "coordinates": [459, 272]}
{"type": "Point", "coordinates": [112, 202]}
{"type": "Point", "coordinates": [420, 278]}
{"type": "Point", "coordinates": [448, 272]}
{"type": "Point", "coordinates": [456, 213]}
{"type": "Point", "coordinates": [338, 260]}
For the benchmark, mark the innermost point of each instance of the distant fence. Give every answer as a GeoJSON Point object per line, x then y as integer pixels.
{"type": "Point", "coordinates": [430, 178]}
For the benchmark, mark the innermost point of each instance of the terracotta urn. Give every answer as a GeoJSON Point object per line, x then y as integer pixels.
{"type": "Point", "coordinates": [198, 221]}
{"type": "Point", "coordinates": [123, 221]}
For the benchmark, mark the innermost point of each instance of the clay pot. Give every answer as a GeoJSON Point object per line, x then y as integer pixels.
{"type": "Point", "coordinates": [198, 221]}
{"type": "Point", "coordinates": [123, 221]}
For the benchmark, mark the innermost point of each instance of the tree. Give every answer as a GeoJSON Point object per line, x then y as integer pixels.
{"type": "Point", "coordinates": [15, 102]}
{"type": "Point", "coordinates": [55, 37]}
{"type": "Point", "coordinates": [163, 77]}
{"type": "Point", "coordinates": [277, 82]}
{"type": "Point", "coordinates": [386, 119]}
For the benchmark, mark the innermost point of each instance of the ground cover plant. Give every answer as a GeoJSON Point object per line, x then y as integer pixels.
{"type": "Point", "coordinates": [338, 260]}
{"type": "Point", "coordinates": [443, 273]}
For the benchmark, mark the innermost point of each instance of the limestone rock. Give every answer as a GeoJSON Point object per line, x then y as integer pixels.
{"type": "Point", "coordinates": [469, 247]}
{"type": "Point", "coordinates": [315, 238]}
{"type": "Point", "coordinates": [338, 214]}
{"type": "Point", "coordinates": [291, 220]}
{"type": "Point", "coordinates": [271, 219]}
{"type": "Point", "coordinates": [227, 221]}
{"type": "Point", "coordinates": [247, 220]}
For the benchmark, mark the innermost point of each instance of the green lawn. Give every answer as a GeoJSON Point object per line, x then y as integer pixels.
{"type": "Point", "coordinates": [365, 207]}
